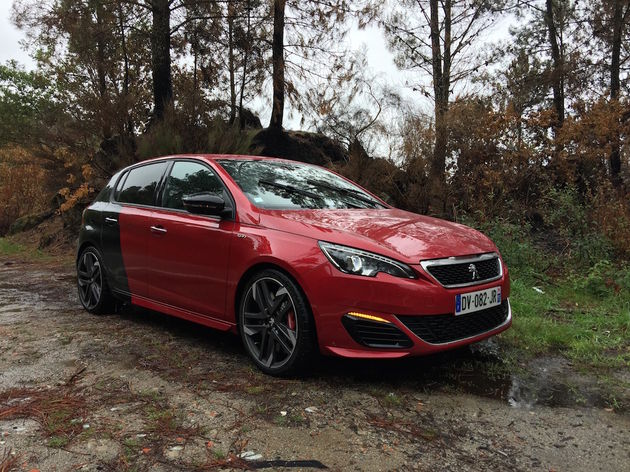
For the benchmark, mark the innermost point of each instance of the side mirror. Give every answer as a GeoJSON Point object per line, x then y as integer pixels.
{"type": "Point", "coordinates": [204, 204]}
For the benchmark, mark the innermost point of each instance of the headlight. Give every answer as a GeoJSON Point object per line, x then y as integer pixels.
{"type": "Point", "coordinates": [358, 262]}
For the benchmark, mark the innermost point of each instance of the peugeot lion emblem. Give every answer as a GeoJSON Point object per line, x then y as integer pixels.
{"type": "Point", "coordinates": [472, 268]}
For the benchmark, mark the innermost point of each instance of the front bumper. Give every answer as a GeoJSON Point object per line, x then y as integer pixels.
{"type": "Point", "coordinates": [390, 299]}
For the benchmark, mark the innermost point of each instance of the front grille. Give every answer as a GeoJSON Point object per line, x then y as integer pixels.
{"type": "Point", "coordinates": [374, 334]}
{"type": "Point", "coordinates": [458, 274]}
{"type": "Point", "coordinates": [437, 329]}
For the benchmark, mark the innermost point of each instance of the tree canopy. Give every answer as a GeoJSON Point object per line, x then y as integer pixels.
{"type": "Point", "coordinates": [510, 119]}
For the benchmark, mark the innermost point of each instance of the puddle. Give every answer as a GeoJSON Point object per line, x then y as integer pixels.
{"type": "Point", "coordinates": [478, 370]}
{"type": "Point", "coordinates": [527, 391]}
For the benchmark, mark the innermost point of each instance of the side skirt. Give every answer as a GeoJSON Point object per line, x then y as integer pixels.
{"type": "Point", "coordinates": [179, 313]}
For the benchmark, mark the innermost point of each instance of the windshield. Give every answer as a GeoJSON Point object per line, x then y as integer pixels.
{"type": "Point", "coordinates": [287, 185]}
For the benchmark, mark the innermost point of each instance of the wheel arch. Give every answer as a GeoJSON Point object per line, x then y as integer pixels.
{"type": "Point", "coordinates": [82, 247]}
{"type": "Point", "coordinates": [260, 266]}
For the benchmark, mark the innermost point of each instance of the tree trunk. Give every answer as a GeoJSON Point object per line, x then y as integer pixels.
{"type": "Point", "coordinates": [441, 84]}
{"type": "Point", "coordinates": [161, 57]}
{"type": "Point", "coordinates": [195, 78]}
{"type": "Point", "coordinates": [123, 41]}
{"type": "Point", "coordinates": [617, 29]}
{"type": "Point", "coordinates": [100, 72]}
{"type": "Point", "coordinates": [557, 78]}
{"type": "Point", "coordinates": [277, 111]}
{"type": "Point", "coordinates": [241, 119]}
{"type": "Point", "coordinates": [231, 66]}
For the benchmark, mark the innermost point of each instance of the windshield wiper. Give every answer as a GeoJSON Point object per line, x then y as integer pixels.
{"type": "Point", "coordinates": [290, 188]}
{"type": "Point", "coordinates": [344, 191]}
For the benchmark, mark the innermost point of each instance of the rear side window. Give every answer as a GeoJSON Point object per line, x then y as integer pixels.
{"type": "Point", "coordinates": [103, 195]}
{"type": "Point", "coordinates": [189, 178]}
{"type": "Point", "coordinates": [140, 185]}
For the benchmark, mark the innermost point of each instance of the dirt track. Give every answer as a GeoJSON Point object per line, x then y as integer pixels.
{"type": "Point", "coordinates": [140, 391]}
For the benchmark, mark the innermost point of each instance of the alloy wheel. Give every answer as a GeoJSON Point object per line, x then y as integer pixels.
{"type": "Point", "coordinates": [90, 280]}
{"type": "Point", "coordinates": [269, 322]}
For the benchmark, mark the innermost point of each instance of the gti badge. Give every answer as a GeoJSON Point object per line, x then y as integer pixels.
{"type": "Point", "coordinates": [472, 268]}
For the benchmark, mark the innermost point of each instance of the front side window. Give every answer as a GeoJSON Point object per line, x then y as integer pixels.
{"type": "Point", "coordinates": [190, 178]}
{"type": "Point", "coordinates": [140, 184]}
{"type": "Point", "coordinates": [289, 185]}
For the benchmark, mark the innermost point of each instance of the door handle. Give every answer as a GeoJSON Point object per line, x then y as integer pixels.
{"type": "Point", "coordinates": [158, 229]}
{"type": "Point", "coordinates": [111, 221]}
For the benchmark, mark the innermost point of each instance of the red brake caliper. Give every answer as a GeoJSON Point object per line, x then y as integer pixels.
{"type": "Point", "coordinates": [291, 320]}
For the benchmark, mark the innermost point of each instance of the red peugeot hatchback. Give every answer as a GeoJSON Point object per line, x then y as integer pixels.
{"type": "Point", "coordinates": [291, 256]}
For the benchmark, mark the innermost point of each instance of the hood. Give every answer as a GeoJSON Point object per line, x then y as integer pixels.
{"type": "Point", "coordinates": [405, 236]}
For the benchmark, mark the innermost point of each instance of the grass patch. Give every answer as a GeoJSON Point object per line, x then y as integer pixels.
{"type": "Point", "coordinates": [218, 454]}
{"type": "Point", "coordinates": [584, 310]}
{"type": "Point", "coordinates": [392, 399]}
{"type": "Point", "coordinates": [11, 248]}
{"type": "Point", "coordinates": [58, 442]}
{"type": "Point", "coordinates": [589, 329]}
{"type": "Point", "coordinates": [255, 390]}
{"type": "Point", "coordinates": [385, 397]}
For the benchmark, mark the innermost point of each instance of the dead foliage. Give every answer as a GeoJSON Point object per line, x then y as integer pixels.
{"type": "Point", "coordinates": [23, 186]}
{"type": "Point", "coordinates": [59, 411]}
{"type": "Point", "coordinates": [232, 461]}
{"type": "Point", "coordinates": [406, 428]}
{"type": "Point", "coordinates": [8, 461]}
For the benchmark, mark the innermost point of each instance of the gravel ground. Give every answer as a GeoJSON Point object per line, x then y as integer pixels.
{"type": "Point", "coordinates": [137, 390]}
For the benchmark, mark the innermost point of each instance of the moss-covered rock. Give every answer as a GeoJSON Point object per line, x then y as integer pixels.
{"type": "Point", "coordinates": [29, 221]}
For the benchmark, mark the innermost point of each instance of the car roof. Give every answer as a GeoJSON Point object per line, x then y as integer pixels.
{"type": "Point", "coordinates": [216, 157]}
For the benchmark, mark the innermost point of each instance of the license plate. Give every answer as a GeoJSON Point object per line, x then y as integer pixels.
{"type": "Point", "coordinates": [475, 301]}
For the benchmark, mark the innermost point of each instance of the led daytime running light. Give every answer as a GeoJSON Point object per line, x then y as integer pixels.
{"type": "Point", "coordinates": [368, 317]}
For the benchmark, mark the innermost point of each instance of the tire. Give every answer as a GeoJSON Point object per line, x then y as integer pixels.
{"type": "Point", "coordinates": [94, 293]}
{"type": "Point", "coordinates": [276, 324]}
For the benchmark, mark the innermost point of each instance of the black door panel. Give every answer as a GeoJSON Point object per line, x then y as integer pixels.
{"type": "Point", "coordinates": [111, 249]}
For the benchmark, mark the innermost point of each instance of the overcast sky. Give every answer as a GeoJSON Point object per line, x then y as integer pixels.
{"type": "Point", "coordinates": [10, 37]}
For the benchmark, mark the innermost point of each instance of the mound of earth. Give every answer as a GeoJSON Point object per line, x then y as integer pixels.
{"type": "Point", "coordinates": [301, 146]}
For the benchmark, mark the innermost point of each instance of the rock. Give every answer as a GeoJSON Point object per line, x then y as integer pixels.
{"type": "Point", "coordinates": [250, 456]}
{"type": "Point", "coordinates": [105, 450]}
{"type": "Point", "coordinates": [29, 221]}
{"type": "Point", "coordinates": [298, 146]}
{"type": "Point", "coordinates": [250, 119]}
{"type": "Point", "coordinates": [174, 452]}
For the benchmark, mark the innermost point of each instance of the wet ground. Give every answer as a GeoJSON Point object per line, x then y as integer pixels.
{"type": "Point", "coordinates": [138, 390]}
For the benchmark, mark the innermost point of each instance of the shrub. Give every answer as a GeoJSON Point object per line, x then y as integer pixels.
{"type": "Point", "coordinates": [161, 140]}
{"type": "Point", "coordinates": [22, 185]}
{"type": "Point", "coordinates": [610, 213]}
{"type": "Point", "coordinates": [516, 245]}
{"type": "Point", "coordinates": [224, 138]}
{"type": "Point", "coordinates": [604, 279]}
{"type": "Point", "coordinates": [570, 217]}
